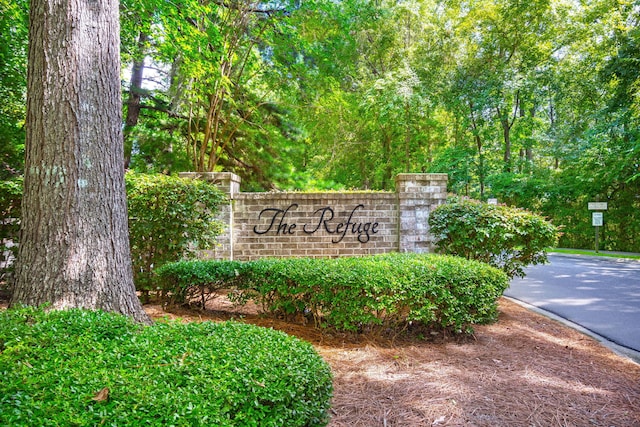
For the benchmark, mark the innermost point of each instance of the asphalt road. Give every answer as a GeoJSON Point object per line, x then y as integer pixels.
{"type": "Point", "coordinates": [599, 294]}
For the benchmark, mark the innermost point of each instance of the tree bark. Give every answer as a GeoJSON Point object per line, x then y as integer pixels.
{"type": "Point", "coordinates": [478, 139]}
{"type": "Point", "coordinates": [74, 245]}
{"type": "Point", "coordinates": [135, 96]}
{"type": "Point", "coordinates": [507, 124]}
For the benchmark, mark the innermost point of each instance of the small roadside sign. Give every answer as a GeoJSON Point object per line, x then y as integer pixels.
{"type": "Point", "coordinates": [597, 219]}
{"type": "Point", "coordinates": [597, 206]}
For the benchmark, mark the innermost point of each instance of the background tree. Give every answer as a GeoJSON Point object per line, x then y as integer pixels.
{"type": "Point", "coordinates": [13, 51]}
{"type": "Point", "coordinates": [74, 247]}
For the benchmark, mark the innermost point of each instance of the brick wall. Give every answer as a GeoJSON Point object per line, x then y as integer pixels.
{"type": "Point", "coordinates": [328, 224]}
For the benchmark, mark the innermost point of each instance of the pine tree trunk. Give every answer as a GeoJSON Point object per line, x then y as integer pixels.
{"type": "Point", "coordinates": [74, 245]}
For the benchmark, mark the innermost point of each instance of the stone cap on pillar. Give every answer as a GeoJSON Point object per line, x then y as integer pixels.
{"type": "Point", "coordinates": [227, 182]}
{"type": "Point", "coordinates": [417, 183]}
{"type": "Point", "coordinates": [421, 177]}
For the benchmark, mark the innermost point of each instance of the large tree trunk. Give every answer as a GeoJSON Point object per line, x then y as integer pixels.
{"type": "Point", "coordinates": [74, 246]}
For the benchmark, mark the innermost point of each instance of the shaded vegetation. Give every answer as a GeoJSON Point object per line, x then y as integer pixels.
{"type": "Point", "coordinates": [91, 368]}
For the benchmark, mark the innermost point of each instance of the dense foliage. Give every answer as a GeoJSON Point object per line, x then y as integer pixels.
{"type": "Point", "coordinates": [535, 103]}
{"type": "Point", "coordinates": [13, 64]}
{"type": "Point", "coordinates": [505, 237]}
{"type": "Point", "coordinates": [77, 367]}
{"type": "Point", "coordinates": [390, 292]}
{"type": "Point", "coordinates": [13, 80]}
{"type": "Point", "coordinates": [169, 218]}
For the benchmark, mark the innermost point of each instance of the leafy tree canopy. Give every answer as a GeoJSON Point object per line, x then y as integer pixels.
{"type": "Point", "coordinates": [536, 103]}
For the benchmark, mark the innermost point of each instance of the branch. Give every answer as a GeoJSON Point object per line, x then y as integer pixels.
{"type": "Point", "coordinates": [235, 6]}
{"type": "Point", "coordinates": [165, 110]}
{"type": "Point", "coordinates": [515, 108]}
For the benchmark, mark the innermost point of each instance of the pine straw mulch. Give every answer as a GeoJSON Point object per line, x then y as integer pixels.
{"type": "Point", "coordinates": [524, 370]}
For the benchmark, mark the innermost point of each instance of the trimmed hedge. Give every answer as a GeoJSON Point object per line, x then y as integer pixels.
{"type": "Point", "coordinates": [372, 293]}
{"type": "Point", "coordinates": [186, 282]}
{"type": "Point", "coordinates": [64, 368]}
{"type": "Point", "coordinates": [505, 237]}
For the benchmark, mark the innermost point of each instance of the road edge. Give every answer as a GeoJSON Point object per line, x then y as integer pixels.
{"type": "Point", "coordinates": [618, 349]}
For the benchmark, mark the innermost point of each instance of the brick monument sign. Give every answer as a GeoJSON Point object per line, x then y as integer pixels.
{"type": "Point", "coordinates": [325, 224]}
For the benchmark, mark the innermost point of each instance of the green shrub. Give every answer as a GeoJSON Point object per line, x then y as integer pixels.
{"type": "Point", "coordinates": [375, 293]}
{"type": "Point", "coordinates": [505, 237]}
{"type": "Point", "coordinates": [169, 219]}
{"type": "Point", "coordinates": [186, 282]}
{"type": "Point", "coordinates": [54, 365]}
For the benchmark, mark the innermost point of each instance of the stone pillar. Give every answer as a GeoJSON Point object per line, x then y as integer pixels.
{"type": "Point", "coordinates": [229, 184]}
{"type": "Point", "coordinates": [418, 195]}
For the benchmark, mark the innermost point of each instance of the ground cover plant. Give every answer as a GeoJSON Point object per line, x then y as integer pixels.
{"type": "Point", "coordinates": [384, 293]}
{"type": "Point", "coordinates": [65, 368]}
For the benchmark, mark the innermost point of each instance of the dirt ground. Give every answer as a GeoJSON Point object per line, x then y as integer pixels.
{"type": "Point", "coordinates": [524, 370]}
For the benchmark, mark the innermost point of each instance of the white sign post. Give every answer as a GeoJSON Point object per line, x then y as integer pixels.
{"type": "Point", "coordinates": [597, 206]}
{"type": "Point", "coordinates": [597, 218]}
